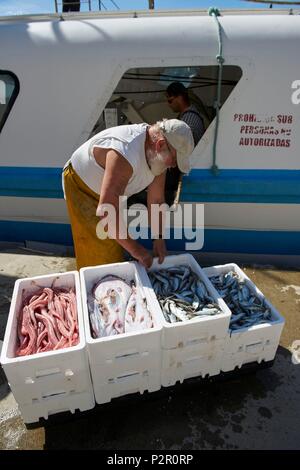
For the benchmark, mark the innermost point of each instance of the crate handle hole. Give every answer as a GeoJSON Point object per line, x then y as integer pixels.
{"type": "Point", "coordinates": [54, 394]}
{"type": "Point", "coordinates": [196, 341]}
{"type": "Point", "coordinates": [124, 377]}
{"type": "Point", "coordinates": [122, 356]}
{"type": "Point", "coordinates": [44, 373]}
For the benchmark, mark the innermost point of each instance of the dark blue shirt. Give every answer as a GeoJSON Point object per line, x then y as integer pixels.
{"type": "Point", "coordinates": [193, 119]}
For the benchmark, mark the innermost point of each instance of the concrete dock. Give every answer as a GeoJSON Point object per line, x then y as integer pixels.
{"type": "Point", "coordinates": [257, 410]}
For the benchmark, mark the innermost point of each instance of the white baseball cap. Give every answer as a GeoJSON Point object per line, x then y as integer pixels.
{"type": "Point", "coordinates": [180, 136]}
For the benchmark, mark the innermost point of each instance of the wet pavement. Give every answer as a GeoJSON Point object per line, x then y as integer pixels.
{"type": "Point", "coordinates": [256, 410]}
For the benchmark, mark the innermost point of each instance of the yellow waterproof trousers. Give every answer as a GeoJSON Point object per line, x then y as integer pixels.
{"type": "Point", "coordinates": [82, 204]}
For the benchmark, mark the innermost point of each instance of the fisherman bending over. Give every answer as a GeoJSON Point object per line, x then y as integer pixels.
{"type": "Point", "coordinates": [119, 161]}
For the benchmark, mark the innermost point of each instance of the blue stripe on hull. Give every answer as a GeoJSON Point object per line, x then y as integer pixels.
{"type": "Point", "coordinates": [246, 241]}
{"type": "Point", "coordinates": [220, 241]}
{"type": "Point", "coordinates": [13, 231]}
{"type": "Point", "coordinates": [37, 182]}
{"type": "Point", "coordinates": [259, 186]}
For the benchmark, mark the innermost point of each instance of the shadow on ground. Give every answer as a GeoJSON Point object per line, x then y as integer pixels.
{"type": "Point", "coordinates": [229, 412]}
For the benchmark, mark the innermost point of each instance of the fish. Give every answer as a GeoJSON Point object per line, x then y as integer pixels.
{"type": "Point", "coordinates": [47, 321]}
{"type": "Point", "coordinates": [96, 320]}
{"type": "Point", "coordinates": [116, 307]}
{"type": "Point", "coordinates": [138, 313]}
{"type": "Point", "coordinates": [247, 308]}
{"type": "Point", "coordinates": [181, 294]}
{"type": "Point", "coordinates": [111, 294]}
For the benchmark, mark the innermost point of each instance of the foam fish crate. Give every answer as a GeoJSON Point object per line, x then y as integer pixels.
{"type": "Point", "coordinates": [125, 363]}
{"type": "Point", "coordinates": [253, 344]}
{"type": "Point", "coordinates": [195, 347]}
{"type": "Point", "coordinates": [192, 332]}
{"type": "Point", "coordinates": [49, 382]}
{"type": "Point", "coordinates": [191, 361]}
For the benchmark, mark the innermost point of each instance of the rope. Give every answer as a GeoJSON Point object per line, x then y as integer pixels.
{"type": "Point", "coordinates": [214, 12]}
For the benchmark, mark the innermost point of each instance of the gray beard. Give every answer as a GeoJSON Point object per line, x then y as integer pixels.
{"type": "Point", "coordinates": [156, 163]}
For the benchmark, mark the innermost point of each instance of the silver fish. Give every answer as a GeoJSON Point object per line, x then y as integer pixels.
{"type": "Point", "coordinates": [97, 323]}
{"type": "Point", "coordinates": [181, 294]}
{"type": "Point", "coordinates": [247, 308]}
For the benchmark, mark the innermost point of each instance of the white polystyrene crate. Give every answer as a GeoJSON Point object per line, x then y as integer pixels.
{"type": "Point", "coordinates": [198, 330]}
{"type": "Point", "coordinates": [253, 344]}
{"type": "Point", "coordinates": [125, 363]}
{"type": "Point", "coordinates": [54, 383]}
{"type": "Point", "coordinates": [179, 364]}
{"type": "Point", "coordinates": [140, 377]}
{"type": "Point", "coordinates": [256, 347]}
{"type": "Point", "coordinates": [71, 402]}
{"type": "Point", "coordinates": [35, 378]}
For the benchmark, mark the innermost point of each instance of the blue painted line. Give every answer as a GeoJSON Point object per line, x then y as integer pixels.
{"type": "Point", "coordinates": [246, 241]}
{"type": "Point", "coordinates": [219, 241]}
{"type": "Point", "coordinates": [241, 186]}
{"type": "Point", "coordinates": [31, 182]}
{"type": "Point", "coordinates": [13, 231]}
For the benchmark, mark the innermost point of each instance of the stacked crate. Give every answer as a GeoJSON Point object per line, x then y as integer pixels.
{"type": "Point", "coordinates": [48, 382]}
{"type": "Point", "coordinates": [109, 367]}
{"type": "Point", "coordinates": [125, 363]}
{"type": "Point", "coordinates": [194, 347]}
{"type": "Point", "coordinates": [256, 343]}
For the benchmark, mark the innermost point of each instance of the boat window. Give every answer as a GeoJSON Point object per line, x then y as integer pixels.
{"type": "Point", "coordinates": [140, 96]}
{"type": "Point", "coordinates": [9, 89]}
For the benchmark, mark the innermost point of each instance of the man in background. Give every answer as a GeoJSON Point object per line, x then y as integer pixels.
{"type": "Point", "coordinates": [178, 100]}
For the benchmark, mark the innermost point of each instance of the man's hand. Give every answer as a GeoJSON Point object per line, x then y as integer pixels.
{"type": "Point", "coordinates": [159, 250]}
{"type": "Point", "coordinates": [143, 256]}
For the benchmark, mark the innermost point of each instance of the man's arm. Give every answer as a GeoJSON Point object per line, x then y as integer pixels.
{"type": "Point", "coordinates": [117, 173]}
{"type": "Point", "coordinates": [156, 195]}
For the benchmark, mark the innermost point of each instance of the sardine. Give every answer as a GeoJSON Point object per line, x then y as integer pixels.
{"type": "Point", "coordinates": [247, 308]}
{"type": "Point", "coordinates": [187, 295]}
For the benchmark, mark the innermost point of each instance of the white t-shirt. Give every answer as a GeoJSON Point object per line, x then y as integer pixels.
{"type": "Point", "coordinates": [129, 141]}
